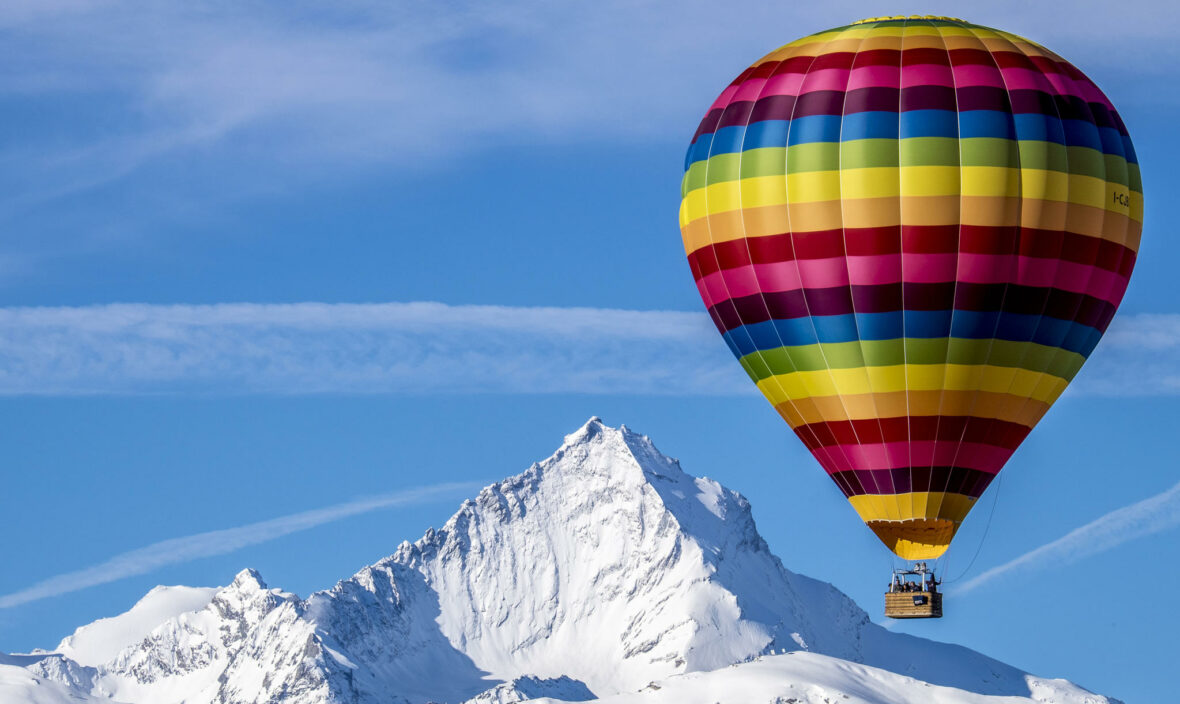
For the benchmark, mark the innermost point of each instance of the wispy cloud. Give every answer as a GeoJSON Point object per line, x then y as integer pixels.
{"type": "Point", "coordinates": [409, 83]}
{"type": "Point", "coordinates": [220, 542]}
{"type": "Point", "coordinates": [309, 348]}
{"type": "Point", "coordinates": [1138, 356]}
{"type": "Point", "coordinates": [1153, 515]}
{"type": "Point", "coordinates": [360, 348]}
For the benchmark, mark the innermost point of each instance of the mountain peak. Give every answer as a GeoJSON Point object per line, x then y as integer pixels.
{"type": "Point", "coordinates": [607, 563]}
{"type": "Point", "coordinates": [637, 451]}
{"type": "Point", "coordinates": [248, 580]}
{"type": "Point", "coordinates": [589, 430]}
{"type": "Point", "coordinates": [599, 570]}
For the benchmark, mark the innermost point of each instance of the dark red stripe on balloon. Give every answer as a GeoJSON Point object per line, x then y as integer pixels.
{"type": "Point", "coordinates": [925, 56]}
{"type": "Point", "coordinates": [834, 59]}
{"type": "Point", "coordinates": [888, 298]}
{"type": "Point", "coordinates": [877, 57]}
{"type": "Point", "coordinates": [949, 429]}
{"type": "Point", "coordinates": [795, 64]}
{"type": "Point", "coordinates": [955, 480]}
{"type": "Point", "coordinates": [819, 102]}
{"type": "Point", "coordinates": [928, 98]}
{"type": "Point", "coordinates": [873, 99]}
{"type": "Point", "coordinates": [708, 124]}
{"type": "Point", "coordinates": [736, 114]}
{"type": "Point", "coordinates": [1102, 116]}
{"type": "Point", "coordinates": [971, 57]}
{"type": "Point", "coordinates": [984, 98]}
{"type": "Point", "coordinates": [773, 107]}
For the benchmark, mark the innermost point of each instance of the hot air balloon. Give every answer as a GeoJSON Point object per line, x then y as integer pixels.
{"type": "Point", "coordinates": [911, 232]}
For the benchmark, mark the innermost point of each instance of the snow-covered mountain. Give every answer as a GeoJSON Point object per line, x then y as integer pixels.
{"type": "Point", "coordinates": [604, 572]}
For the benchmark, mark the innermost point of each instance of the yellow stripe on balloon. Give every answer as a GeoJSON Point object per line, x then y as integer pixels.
{"type": "Point", "coordinates": [700, 230]}
{"type": "Point", "coordinates": [911, 181]}
{"type": "Point", "coordinates": [883, 507]}
{"type": "Point", "coordinates": [782, 388]}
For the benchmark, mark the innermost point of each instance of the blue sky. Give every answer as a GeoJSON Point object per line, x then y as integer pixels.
{"type": "Point", "coordinates": [260, 259]}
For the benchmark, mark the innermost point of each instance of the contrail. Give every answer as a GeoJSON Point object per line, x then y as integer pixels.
{"type": "Point", "coordinates": [1152, 515]}
{"type": "Point", "coordinates": [220, 542]}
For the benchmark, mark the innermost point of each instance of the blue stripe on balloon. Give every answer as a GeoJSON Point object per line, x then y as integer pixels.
{"type": "Point", "coordinates": [913, 123]}
{"type": "Point", "coordinates": [796, 332]}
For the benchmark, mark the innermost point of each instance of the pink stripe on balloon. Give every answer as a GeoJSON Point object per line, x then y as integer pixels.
{"type": "Point", "coordinates": [1062, 84]}
{"type": "Point", "coordinates": [1094, 94]}
{"type": "Point", "coordinates": [821, 273]}
{"type": "Point", "coordinates": [925, 453]}
{"type": "Point", "coordinates": [749, 90]}
{"type": "Point", "coordinates": [741, 282]}
{"type": "Point", "coordinates": [1085, 278]}
{"type": "Point", "coordinates": [783, 84]}
{"type": "Point", "coordinates": [777, 277]}
{"type": "Point", "coordinates": [827, 79]}
{"type": "Point", "coordinates": [1024, 79]}
{"type": "Point", "coordinates": [746, 281]}
{"type": "Point", "coordinates": [833, 460]}
{"type": "Point", "coordinates": [874, 77]}
{"type": "Point", "coordinates": [873, 269]}
{"type": "Point", "coordinates": [926, 75]}
{"type": "Point", "coordinates": [877, 269]}
{"type": "Point", "coordinates": [929, 268]}
{"type": "Point", "coordinates": [712, 290]}
{"type": "Point", "coordinates": [976, 75]}
{"type": "Point", "coordinates": [723, 99]}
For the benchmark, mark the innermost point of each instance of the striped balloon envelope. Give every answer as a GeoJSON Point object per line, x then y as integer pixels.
{"type": "Point", "coordinates": [911, 232]}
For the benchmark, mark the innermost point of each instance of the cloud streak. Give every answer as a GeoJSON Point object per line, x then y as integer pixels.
{"type": "Point", "coordinates": [1139, 356]}
{"type": "Point", "coordinates": [220, 542]}
{"type": "Point", "coordinates": [310, 348]}
{"type": "Point", "coordinates": [432, 348]}
{"type": "Point", "coordinates": [1147, 517]}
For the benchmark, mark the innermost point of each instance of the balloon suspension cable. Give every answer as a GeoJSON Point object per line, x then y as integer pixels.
{"type": "Point", "coordinates": [986, 528]}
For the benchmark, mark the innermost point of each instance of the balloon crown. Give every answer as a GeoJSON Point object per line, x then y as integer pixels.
{"type": "Point", "coordinates": [909, 17]}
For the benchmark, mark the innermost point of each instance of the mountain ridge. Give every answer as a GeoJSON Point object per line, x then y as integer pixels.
{"type": "Point", "coordinates": [604, 569]}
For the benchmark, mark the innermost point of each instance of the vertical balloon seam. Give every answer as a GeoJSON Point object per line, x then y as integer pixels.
{"type": "Point", "coordinates": [746, 244]}
{"type": "Point", "coordinates": [786, 349]}
{"type": "Point", "coordinates": [1060, 253]}
{"type": "Point", "coordinates": [1129, 223]}
{"type": "Point", "coordinates": [1121, 144]}
{"type": "Point", "coordinates": [1105, 220]}
{"type": "Point", "coordinates": [950, 337]}
{"type": "Point", "coordinates": [869, 30]}
{"type": "Point", "coordinates": [970, 416]}
{"type": "Point", "coordinates": [890, 493]}
{"type": "Point", "coordinates": [837, 476]}
{"type": "Point", "coordinates": [713, 241]}
{"type": "Point", "coordinates": [1107, 225]}
{"type": "Point", "coordinates": [1093, 122]}
{"type": "Point", "coordinates": [799, 271]}
{"type": "Point", "coordinates": [1014, 272]}
{"type": "Point", "coordinates": [900, 514]}
{"type": "Point", "coordinates": [905, 337]}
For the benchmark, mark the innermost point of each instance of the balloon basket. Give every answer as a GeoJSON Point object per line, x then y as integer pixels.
{"type": "Point", "coordinates": [913, 593]}
{"type": "Point", "coordinates": [913, 605]}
